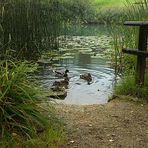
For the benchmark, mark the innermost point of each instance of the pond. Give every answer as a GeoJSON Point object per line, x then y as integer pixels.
{"type": "Point", "coordinates": [83, 50]}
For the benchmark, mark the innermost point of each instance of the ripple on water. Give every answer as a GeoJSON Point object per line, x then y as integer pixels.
{"type": "Point", "coordinates": [97, 92]}
{"type": "Point", "coordinates": [79, 92]}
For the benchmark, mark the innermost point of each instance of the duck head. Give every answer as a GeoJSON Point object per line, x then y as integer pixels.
{"type": "Point", "coordinates": [66, 71]}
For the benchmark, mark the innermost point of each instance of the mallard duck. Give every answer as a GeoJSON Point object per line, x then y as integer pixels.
{"type": "Point", "coordinates": [62, 83]}
{"type": "Point", "coordinates": [87, 77]}
{"type": "Point", "coordinates": [62, 74]}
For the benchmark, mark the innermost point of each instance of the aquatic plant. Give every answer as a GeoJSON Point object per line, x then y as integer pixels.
{"type": "Point", "coordinates": [29, 27]}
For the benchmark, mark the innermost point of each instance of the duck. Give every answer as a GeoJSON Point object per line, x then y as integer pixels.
{"type": "Point", "coordinates": [87, 77]}
{"type": "Point", "coordinates": [61, 83]}
{"type": "Point", "coordinates": [62, 74]}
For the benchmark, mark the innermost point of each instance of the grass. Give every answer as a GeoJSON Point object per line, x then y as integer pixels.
{"type": "Point", "coordinates": [127, 37]}
{"type": "Point", "coordinates": [23, 119]}
{"type": "Point", "coordinates": [109, 12]}
{"type": "Point", "coordinates": [29, 27]}
{"type": "Point", "coordinates": [127, 86]}
{"type": "Point", "coordinates": [110, 3]}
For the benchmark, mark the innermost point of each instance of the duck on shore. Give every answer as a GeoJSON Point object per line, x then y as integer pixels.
{"type": "Point", "coordinates": [87, 77]}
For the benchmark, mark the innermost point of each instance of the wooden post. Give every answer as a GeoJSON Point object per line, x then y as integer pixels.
{"type": "Point", "coordinates": [141, 60]}
{"type": "Point", "coordinates": [141, 52]}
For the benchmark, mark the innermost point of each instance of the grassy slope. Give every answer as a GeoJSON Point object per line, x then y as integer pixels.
{"type": "Point", "coordinates": [107, 3]}
{"type": "Point", "coordinates": [104, 4]}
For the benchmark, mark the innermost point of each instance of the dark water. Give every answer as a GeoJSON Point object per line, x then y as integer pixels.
{"type": "Point", "coordinates": [81, 54]}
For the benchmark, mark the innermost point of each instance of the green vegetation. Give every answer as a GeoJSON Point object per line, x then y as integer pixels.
{"type": "Point", "coordinates": [124, 36]}
{"type": "Point", "coordinates": [93, 12]}
{"type": "Point", "coordinates": [126, 86]}
{"type": "Point", "coordinates": [108, 12]}
{"type": "Point", "coordinates": [29, 27]}
{"type": "Point", "coordinates": [106, 4]}
{"type": "Point", "coordinates": [32, 27]}
{"type": "Point", "coordinates": [23, 118]}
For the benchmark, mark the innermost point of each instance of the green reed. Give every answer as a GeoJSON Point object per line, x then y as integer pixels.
{"type": "Point", "coordinates": [29, 26]}
{"type": "Point", "coordinates": [127, 37]}
{"type": "Point", "coordinates": [126, 86]}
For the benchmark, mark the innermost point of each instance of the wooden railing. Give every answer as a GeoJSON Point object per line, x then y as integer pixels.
{"type": "Point", "coordinates": [141, 52]}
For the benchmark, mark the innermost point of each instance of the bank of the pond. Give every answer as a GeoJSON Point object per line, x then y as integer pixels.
{"type": "Point", "coordinates": [120, 123]}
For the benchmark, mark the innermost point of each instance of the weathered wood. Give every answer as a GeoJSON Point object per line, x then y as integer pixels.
{"type": "Point", "coordinates": [135, 52]}
{"type": "Point", "coordinates": [142, 52]}
{"type": "Point", "coordinates": [141, 60]}
{"type": "Point", "coordinates": [136, 23]}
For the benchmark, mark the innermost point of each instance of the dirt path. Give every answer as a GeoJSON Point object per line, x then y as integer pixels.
{"type": "Point", "coordinates": [118, 124]}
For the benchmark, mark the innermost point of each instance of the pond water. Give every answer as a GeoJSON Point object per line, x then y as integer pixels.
{"type": "Point", "coordinates": [83, 50]}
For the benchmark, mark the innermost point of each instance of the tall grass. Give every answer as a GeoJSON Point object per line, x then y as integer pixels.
{"type": "Point", "coordinates": [90, 11]}
{"type": "Point", "coordinates": [127, 37]}
{"type": "Point", "coordinates": [29, 26]}
{"type": "Point", "coordinates": [127, 86]}
{"type": "Point", "coordinates": [22, 117]}
{"type": "Point", "coordinates": [108, 4]}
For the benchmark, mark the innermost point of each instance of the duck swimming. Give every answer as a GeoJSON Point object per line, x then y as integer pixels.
{"type": "Point", "coordinates": [87, 77]}
{"type": "Point", "coordinates": [62, 74]}
{"type": "Point", "coordinates": [61, 83]}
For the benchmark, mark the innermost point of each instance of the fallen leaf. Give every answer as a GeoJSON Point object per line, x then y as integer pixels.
{"type": "Point", "coordinates": [90, 125]}
{"type": "Point", "coordinates": [71, 142]}
{"type": "Point", "coordinates": [111, 140]}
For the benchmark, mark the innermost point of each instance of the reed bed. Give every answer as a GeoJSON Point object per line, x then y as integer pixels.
{"type": "Point", "coordinates": [123, 36]}
{"type": "Point", "coordinates": [29, 27]}
{"type": "Point", "coordinates": [127, 37]}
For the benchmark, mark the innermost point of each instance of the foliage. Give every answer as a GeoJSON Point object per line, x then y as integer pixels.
{"type": "Point", "coordinates": [127, 86]}
{"type": "Point", "coordinates": [22, 117]}
{"type": "Point", "coordinates": [76, 10]}
{"type": "Point", "coordinates": [29, 26]}
{"type": "Point", "coordinates": [105, 4]}
{"type": "Point", "coordinates": [91, 11]}
{"type": "Point", "coordinates": [127, 37]}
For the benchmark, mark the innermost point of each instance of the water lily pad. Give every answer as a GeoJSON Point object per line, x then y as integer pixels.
{"type": "Point", "coordinates": [44, 62]}
{"type": "Point", "coordinates": [67, 57]}
{"type": "Point", "coordinates": [68, 54]}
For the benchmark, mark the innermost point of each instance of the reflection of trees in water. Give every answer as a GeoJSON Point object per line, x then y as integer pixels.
{"type": "Point", "coordinates": [83, 59]}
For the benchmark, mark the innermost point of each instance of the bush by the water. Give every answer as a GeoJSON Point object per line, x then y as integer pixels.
{"type": "Point", "coordinates": [22, 117]}
{"type": "Point", "coordinates": [127, 86]}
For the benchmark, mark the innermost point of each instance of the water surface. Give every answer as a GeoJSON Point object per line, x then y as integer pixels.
{"type": "Point", "coordinates": [84, 52]}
